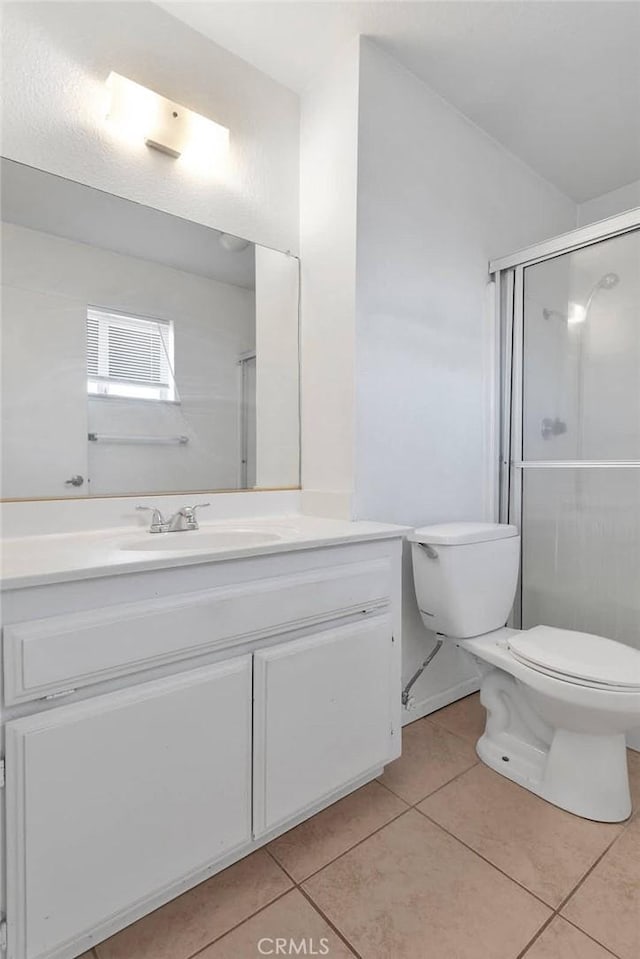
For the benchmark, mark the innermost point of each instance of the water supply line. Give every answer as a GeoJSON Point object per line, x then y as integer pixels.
{"type": "Point", "coordinates": [407, 699]}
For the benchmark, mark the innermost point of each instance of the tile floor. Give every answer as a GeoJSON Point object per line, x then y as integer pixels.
{"type": "Point", "coordinates": [440, 859]}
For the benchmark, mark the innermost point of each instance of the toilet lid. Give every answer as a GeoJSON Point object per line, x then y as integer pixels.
{"type": "Point", "coordinates": [581, 657]}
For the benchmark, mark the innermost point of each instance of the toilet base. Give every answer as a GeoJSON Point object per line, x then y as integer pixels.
{"type": "Point", "coordinates": [586, 775]}
{"type": "Point", "coordinates": [566, 744]}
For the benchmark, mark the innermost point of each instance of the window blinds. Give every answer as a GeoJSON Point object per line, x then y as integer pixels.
{"type": "Point", "coordinates": [129, 356]}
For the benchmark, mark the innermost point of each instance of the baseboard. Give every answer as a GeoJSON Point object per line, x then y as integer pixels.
{"type": "Point", "coordinates": [440, 699]}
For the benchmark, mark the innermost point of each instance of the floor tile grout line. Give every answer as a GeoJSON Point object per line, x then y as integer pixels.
{"type": "Point", "coordinates": [554, 913]}
{"type": "Point", "coordinates": [556, 909]}
{"type": "Point", "coordinates": [298, 884]}
{"type": "Point", "coordinates": [536, 935]}
{"type": "Point", "coordinates": [198, 952]}
{"type": "Point", "coordinates": [558, 915]}
{"type": "Point", "coordinates": [314, 905]}
{"type": "Point", "coordinates": [441, 726]}
{"type": "Point", "coordinates": [517, 882]}
{"type": "Point", "coordinates": [589, 936]}
{"type": "Point", "coordinates": [591, 868]}
{"type": "Point", "coordinates": [578, 886]}
{"type": "Point", "coordinates": [395, 795]}
{"type": "Point", "coordinates": [557, 912]}
{"type": "Point", "coordinates": [448, 783]}
{"type": "Point", "coordinates": [315, 872]}
{"type": "Point", "coordinates": [279, 864]}
{"type": "Point", "coordinates": [547, 802]}
{"type": "Point", "coordinates": [412, 805]}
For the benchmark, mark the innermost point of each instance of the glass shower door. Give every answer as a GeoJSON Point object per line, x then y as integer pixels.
{"type": "Point", "coordinates": [575, 478]}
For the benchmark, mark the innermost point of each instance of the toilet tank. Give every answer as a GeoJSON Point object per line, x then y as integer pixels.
{"type": "Point", "coordinates": [465, 576]}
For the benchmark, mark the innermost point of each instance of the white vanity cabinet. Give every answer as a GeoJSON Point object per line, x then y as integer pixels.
{"type": "Point", "coordinates": [336, 685]}
{"type": "Point", "coordinates": [111, 799]}
{"type": "Point", "coordinates": [159, 726]}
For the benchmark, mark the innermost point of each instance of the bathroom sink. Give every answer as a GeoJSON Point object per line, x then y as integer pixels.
{"type": "Point", "coordinates": [203, 540]}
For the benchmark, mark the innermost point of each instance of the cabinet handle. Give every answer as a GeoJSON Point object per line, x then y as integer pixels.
{"type": "Point", "coordinates": [76, 480]}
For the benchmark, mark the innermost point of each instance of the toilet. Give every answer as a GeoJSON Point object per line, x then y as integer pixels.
{"type": "Point", "coordinates": [558, 702]}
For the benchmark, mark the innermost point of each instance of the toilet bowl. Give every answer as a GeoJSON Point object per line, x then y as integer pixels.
{"type": "Point", "coordinates": [559, 702]}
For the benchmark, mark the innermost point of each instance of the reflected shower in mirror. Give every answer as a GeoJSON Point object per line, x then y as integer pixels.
{"type": "Point", "coordinates": [141, 353]}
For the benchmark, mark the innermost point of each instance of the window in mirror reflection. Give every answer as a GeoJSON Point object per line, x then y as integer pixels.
{"type": "Point", "coordinates": [130, 356]}
{"type": "Point", "coordinates": [141, 351]}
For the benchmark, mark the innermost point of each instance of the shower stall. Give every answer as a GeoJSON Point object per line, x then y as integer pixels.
{"type": "Point", "coordinates": [569, 316]}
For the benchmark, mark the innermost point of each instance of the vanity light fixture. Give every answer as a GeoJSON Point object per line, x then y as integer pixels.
{"type": "Point", "coordinates": [139, 113]}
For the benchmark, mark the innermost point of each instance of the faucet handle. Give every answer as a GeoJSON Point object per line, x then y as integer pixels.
{"type": "Point", "coordinates": [158, 522]}
{"type": "Point", "coordinates": [189, 512]}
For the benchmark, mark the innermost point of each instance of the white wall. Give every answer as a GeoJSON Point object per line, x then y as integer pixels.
{"type": "Point", "coordinates": [609, 204]}
{"type": "Point", "coordinates": [436, 199]}
{"type": "Point", "coordinates": [56, 57]}
{"type": "Point", "coordinates": [328, 196]}
{"type": "Point", "coordinates": [48, 282]}
{"type": "Point", "coordinates": [277, 370]}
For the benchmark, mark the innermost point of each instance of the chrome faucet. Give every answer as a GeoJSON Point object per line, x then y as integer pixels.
{"type": "Point", "coordinates": [180, 522]}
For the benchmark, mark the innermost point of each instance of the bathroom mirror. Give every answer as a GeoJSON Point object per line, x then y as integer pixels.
{"type": "Point", "coordinates": [141, 353]}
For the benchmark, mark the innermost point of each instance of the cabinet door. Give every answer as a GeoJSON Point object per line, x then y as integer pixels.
{"type": "Point", "coordinates": [322, 716]}
{"type": "Point", "coordinates": [113, 800]}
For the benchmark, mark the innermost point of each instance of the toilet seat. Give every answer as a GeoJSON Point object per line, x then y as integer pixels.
{"type": "Point", "coordinates": [579, 658]}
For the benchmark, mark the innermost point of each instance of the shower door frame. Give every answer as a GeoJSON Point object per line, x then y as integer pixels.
{"type": "Point", "coordinates": [507, 275]}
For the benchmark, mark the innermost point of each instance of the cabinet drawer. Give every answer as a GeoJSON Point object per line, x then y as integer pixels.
{"type": "Point", "coordinates": [45, 656]}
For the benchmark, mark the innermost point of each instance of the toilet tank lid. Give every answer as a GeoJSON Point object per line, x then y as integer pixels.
{"type": "Point", "coordinates": [458, 534]}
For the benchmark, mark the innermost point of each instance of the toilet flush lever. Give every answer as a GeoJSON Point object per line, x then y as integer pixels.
{"type": "Point", "coordinates": [429, 550]}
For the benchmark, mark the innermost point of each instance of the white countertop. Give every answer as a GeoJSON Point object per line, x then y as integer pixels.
{"type": "Point", "coordinates": [40, 560]}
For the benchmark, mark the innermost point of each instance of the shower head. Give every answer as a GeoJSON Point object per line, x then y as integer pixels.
{"type": "Point", "coordinates": [578, 313]}
{"type": "Point", "coordinates": [607, 282]}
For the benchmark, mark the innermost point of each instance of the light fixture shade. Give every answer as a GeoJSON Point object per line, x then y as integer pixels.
{"type": "Point", "coordinates": [139, 113]}
{"type": "Point", "coordinates": [234, 244]}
